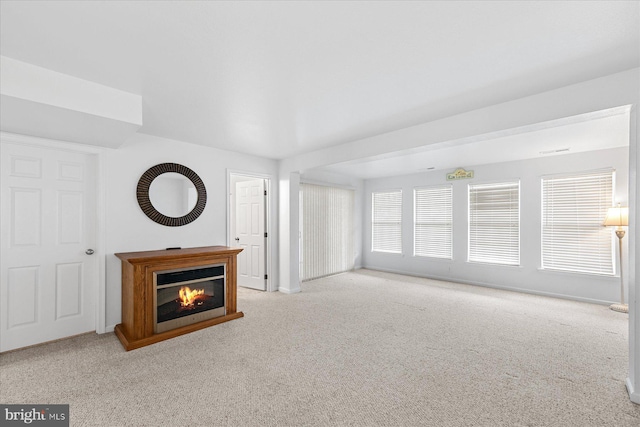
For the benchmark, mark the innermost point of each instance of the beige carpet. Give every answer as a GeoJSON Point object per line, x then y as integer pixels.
{"type": "Point", "coordinates": [358, 349]}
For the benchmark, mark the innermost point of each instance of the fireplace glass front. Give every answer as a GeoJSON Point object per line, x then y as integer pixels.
{"type": "Point", "coordinates": [186, 296]}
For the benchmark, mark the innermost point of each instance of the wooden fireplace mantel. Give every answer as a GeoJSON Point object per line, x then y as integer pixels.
{"type": "Point", "coordinates": [137, 327]}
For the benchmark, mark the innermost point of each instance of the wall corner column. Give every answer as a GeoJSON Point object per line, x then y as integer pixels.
{"type": "Point", "coordinates": [289, 233]}
{"type": "Point", "coordinates": [633, 381]}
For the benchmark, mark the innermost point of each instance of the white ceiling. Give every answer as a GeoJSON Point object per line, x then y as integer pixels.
{"type": "Point", "coordinates": [277, 79]}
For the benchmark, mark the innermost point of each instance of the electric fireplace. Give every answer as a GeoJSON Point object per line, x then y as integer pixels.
{"type": "Point", "coordinates": [166, 293]}
{"type": "Point", "coordinates": [188, 295]}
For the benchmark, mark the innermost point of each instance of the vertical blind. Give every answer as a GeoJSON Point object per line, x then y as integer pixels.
{"type": "Point", "coordinates": [433, 218]}
{"type": "Point", "coordinates": [494, 223]}
{"type": "Point", "coordinates": [386, 233]}
{"type": "Point", "coordinates": [327, 231]}
{"type": "Point", "coordinates": [573, 210]}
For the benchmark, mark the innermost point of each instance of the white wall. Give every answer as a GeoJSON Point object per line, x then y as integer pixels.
{"type": "Point", "coordinates": [128, 229]}
{"type": "Point", "coordinates": [526, 277]}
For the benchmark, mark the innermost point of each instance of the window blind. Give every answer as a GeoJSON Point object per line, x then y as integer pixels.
{"type": "Point", "coordinates": [573, 210]}
{"type": "Point", "coordinates": [387, 222]}
{"type": "Point", "coordinates": [433, 222]}
{"type": "Point", "coordinates": [327, 231]}
{"type": "Point", "coordinates": [494, 223]}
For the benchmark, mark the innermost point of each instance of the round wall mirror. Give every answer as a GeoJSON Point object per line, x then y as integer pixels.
{"type": "Point", "coordinates": [171, 194]}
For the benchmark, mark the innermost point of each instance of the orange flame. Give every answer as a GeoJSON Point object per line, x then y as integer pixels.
{"type": "Point", "coordinates": [188, 297]}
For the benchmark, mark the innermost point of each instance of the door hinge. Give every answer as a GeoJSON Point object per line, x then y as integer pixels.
{"type": "Point", "coordinates": [265, 235]}
{"type": "Point", "coordinates": [265, 192]}
{"type": "Point", "coordinates": [266, 277]}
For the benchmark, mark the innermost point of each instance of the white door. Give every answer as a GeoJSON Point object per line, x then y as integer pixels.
{"type": "Point", "coordinates": [250, 233]}
{"type": "Point", "coordinates": [49, 282]}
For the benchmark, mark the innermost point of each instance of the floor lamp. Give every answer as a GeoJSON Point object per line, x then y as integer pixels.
{"type": "Point", "coordinates": [619, 217]}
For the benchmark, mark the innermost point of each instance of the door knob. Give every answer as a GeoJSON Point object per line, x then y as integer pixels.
{"type": "Point", "coordinates": [89, 252]}
{"type": "Point", "coordinates": [237, 239]}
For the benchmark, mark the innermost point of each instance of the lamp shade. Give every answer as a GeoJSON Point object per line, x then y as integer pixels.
{"type": "Point", "coordinates": [617, 217]}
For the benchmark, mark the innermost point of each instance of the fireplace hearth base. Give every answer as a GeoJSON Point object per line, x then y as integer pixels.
{"type": "Point", "coordinates": [138, 268]}
{"type": "Point", "coordinates": [132, 345]}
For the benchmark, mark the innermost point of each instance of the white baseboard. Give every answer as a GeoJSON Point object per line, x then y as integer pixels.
{"type": "Point", "coordinates": [110, 328]}
{"type": "Point", "coordinates": [633, 395]}
{"type": "Point", "coordinates": [288, 291]}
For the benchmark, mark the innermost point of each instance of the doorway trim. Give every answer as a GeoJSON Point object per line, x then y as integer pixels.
{"type": "Point", "coordinates": [270, 285]}
{"type": "Point", "coordinates": [98, 152]}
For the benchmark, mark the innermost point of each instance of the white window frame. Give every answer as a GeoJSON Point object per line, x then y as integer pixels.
{"type": "Point", "coordinates": [494, 234]}
{"type": "Point", "coordinates": [386, 221]}
{"type": "Point", "coordinates": [433, 222]}
{"type": "Point", "coordinates": [572, 237]}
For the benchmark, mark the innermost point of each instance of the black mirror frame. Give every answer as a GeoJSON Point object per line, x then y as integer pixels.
{"type": "Point", "coordinates": [142, 193]}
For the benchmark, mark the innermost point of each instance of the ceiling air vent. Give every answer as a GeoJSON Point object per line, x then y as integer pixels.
{"type": "Point", "coordinates": [559, 150]}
